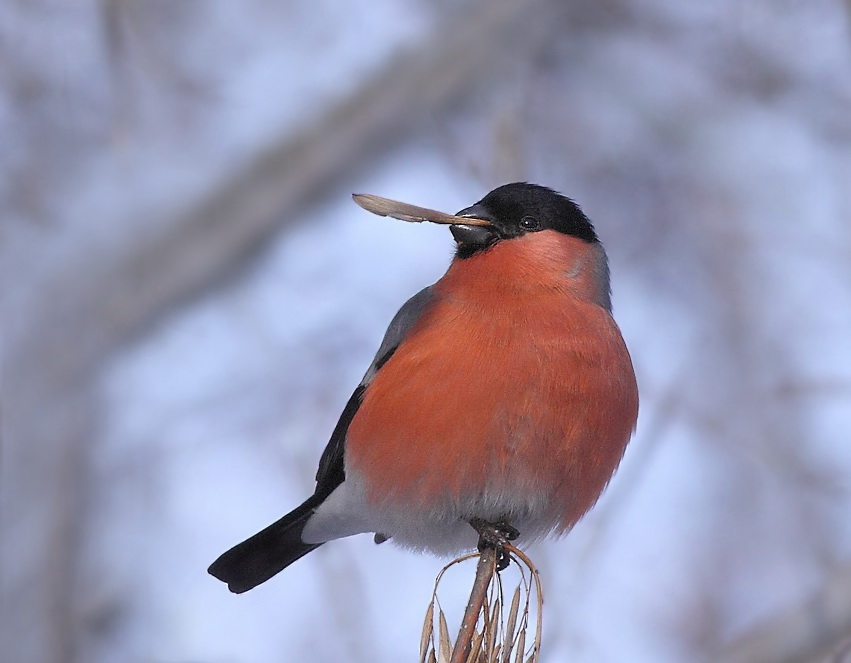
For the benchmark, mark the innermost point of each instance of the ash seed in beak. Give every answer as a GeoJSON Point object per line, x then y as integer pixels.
{"type": "Point", "coordinates": [413, 213]}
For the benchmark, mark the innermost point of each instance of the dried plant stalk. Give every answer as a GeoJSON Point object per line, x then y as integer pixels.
{"type": "Point", "coordinates": [493, 629]}
{"type": "Point", "coordinates": [485, 570]}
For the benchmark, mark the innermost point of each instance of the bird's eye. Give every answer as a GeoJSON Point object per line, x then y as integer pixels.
{"type": "Point", "coordinates": [529, 223]}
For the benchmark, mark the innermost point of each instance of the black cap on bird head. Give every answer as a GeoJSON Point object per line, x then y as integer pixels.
{"type": "Point", "coordinates": [517, 209]}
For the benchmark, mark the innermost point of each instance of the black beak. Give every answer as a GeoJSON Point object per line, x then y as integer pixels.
{"type": "Point", "coordinates": [473, 237]}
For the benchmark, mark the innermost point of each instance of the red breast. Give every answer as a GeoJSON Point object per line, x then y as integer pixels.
{"type": "Point", "coordinates": [514, 387]}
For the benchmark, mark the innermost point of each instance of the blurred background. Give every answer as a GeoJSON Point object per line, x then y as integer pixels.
{"type": "Point", "coordinates": [189, 297]}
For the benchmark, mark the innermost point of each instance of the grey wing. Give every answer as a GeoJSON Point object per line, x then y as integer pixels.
{"type": "Point", "coordinates": [331, 472]}
{"type": "Point", "coordinates": [399, 327]}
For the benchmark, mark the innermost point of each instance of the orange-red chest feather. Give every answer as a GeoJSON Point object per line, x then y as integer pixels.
{"type": "Point", "coordinates": [514, 391]}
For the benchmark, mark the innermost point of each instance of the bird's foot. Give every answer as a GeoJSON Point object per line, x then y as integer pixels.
{"type": "Point", "coordinates": [495, 536]}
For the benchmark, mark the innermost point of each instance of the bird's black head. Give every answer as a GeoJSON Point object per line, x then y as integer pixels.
{"type": "Point", "coordinates": [517, 209]}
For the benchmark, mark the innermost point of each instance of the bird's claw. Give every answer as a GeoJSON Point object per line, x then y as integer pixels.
{"type": "Point", "coordinates": [495, 536]}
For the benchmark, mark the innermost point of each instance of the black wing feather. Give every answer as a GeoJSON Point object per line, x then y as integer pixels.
{"type": "Point", "coordinates": [331, 472]}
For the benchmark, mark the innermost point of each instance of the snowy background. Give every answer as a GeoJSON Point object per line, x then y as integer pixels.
{"type": "Point", "coordinates": [189, 297]}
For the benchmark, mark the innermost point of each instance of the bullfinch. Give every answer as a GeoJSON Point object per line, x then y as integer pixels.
{"type": "Point", "coordinates": [502, 395]}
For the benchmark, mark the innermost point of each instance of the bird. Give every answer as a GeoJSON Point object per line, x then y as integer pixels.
{"type": "Point", "coordinates": [503, 396]}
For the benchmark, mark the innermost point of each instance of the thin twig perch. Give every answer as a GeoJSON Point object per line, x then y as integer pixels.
{"type": "Point", "coordinates": [487, 634]}
{"type": "Point", "coordinates": [484, 572]}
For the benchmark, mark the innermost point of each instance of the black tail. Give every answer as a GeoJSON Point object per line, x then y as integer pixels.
{"type": "Point", "coordinates": [268, 552]}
